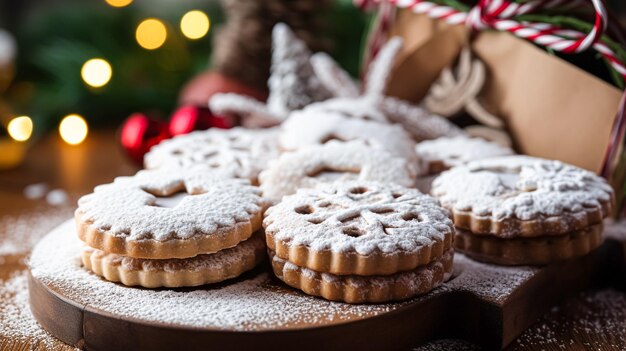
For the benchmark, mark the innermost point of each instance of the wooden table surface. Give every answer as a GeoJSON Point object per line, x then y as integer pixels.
{"type": "Point", "coordinates": [594, 320]}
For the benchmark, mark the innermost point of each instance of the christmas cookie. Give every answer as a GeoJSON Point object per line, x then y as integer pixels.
{"type": "Point", "coordinates": [237, 152]}
{"type": "Point", "coordinates": [441, 154]}
{"type": "Point", "coordinates": [170, 213]}
{"type": "Point", "coordinates": [529, 251]}
{"type": "Point", "coordinates": [173, 273]}
{"type": "Point", "coordinates": [360, 289]}
{"type": "Point", "coordinates": [312, 127]}
{"type": "Point", "coordinates": [523, 196]}
{"type": "Point", "coordinates": [334, 161]}
{"type": "Point", "coordinates": [358, 227]}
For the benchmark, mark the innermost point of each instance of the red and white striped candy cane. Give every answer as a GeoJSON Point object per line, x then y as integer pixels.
{"type": "Point", "coordinates": [498, 14]}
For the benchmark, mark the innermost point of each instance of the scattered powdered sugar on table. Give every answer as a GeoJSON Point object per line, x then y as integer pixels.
{"type": "Point", "coordinates": [448, 345]}
{"type": "Point", "coordinates": [17, 324]}
{"type": "Point", "coordinates": [18, 234]}
{"type": "Point", "coordinates": [252, 304]}
{"type": "Point", "coordinates": [591, 321]}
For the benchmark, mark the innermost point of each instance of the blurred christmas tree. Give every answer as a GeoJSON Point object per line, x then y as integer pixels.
{"type": "Point", "coordinates": [55, 42]}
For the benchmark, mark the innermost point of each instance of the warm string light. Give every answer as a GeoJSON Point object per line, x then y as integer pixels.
{"type": "Point", "coordinates": [119, 3]}
{"type": "Point", "coordinates": [151, 34]}
{"type": "Point", "coordinates": [96, 72]}
{"type": "Point", "coordinates": [20, 128]}
{"type": "Point", "coordinates": [73, 129]}
{"type": "Point", "coordinates": [195, 24]}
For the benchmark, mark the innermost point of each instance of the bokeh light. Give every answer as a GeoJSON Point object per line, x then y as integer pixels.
{"type": "Point", "coordinates": [195, 24]}
{"type": "Point", "coordinates": [96, 72]}
{"type": "Point", "coordinates": [151, 34]}
{"type": "Point", "coordinates": [20, 128]}
{"type": "Point", "coordinates": [73, 129]}
{"type": "Point", "coordinates": [119, 3]}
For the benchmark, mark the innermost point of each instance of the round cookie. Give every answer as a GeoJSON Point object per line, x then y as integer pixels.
{"type": "Point", "coordinates": [237, 152]}
{"type": "Point", "coordinates": [441, 154]}
{"type": "Point", "coordinates": [174, 273]}
{"type": "Point", "coordinates": [363, 108]}
{"type": "Point", "coordinates": [312, 127]}
{"type": "Point", "coordinates": [523, 196]}
{"type": "Point", "coordinates": [357, 227]}
{"type": "Point", "coordinates": [333, 161]}
{"type": "Point", "coordinates": [172, 213]}
{"type": "Point", "coordinates": [540, 250]}
{"type": "Point", "coordinates": [358, 289]}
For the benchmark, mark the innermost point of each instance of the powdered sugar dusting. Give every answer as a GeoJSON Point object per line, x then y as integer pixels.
{"type": "Point", "coordinates": [238, 152]}
{"type": "Point", "coordinates": [316, 125]}
{"type": "Point", "coordinates": [486, 281]}
{"type": "Point", "coordinates": [458, 150]}
{"type": "Point", "coordinates": [521, 187]}
{"type": "Point", "coordinates": [18, 234]}
{"type": "Point", "coordinates": [359, 216]}
{"type": "Point", "coordinates": [127, 207]}
{"type": "Point", "coordinates": [253, 304]}
{"type": "Point", "coordinates": [334, 161]}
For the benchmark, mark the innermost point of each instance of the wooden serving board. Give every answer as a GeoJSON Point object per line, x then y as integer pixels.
{"type": "Point", "coordinates": [484, 304]}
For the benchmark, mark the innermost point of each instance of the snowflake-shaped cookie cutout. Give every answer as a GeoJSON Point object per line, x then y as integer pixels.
{"type": "Point", "coordinates": [361, 217]}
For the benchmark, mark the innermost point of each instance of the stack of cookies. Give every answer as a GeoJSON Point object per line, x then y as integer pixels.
{"type": "Point", "coordinates": [358, 241]}
{"type": "Point", "coordinates": [521, 210]}
{"type": "Point", "coordinates": [172, 228]}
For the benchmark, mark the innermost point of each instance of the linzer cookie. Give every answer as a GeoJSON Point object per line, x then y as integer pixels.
{"type": "Point", "coordinates": [360, 241]}
{"type": "Point", "coordinates": [312, 127]}
{"type": "Point", "coordinates": [520, 210]}
{"type": "Point", "coordinates": [237, 152]}
{"type": "Point", "coordinates": [173, 273]}
{"type": "Point", "coordinates": [362, 289]}
{"type": "Point", "coordinates": [334, 161]}
{"type": "Point", "coordinates": [523, 196]}
{"type": "Point", "coordinates": [357, 227]}
{"type": "Point", "coordinates": [159, 214]}
{"type": "Point", "coordinates": [444, 153]}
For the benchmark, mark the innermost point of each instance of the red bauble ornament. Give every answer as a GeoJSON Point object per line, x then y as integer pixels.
{"type": "Point", "coordinates": [200, 88]}
{"type": "Point", "coordinates": [139, 133]}
{"type": "Point", "coordinates": [189, 118]}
